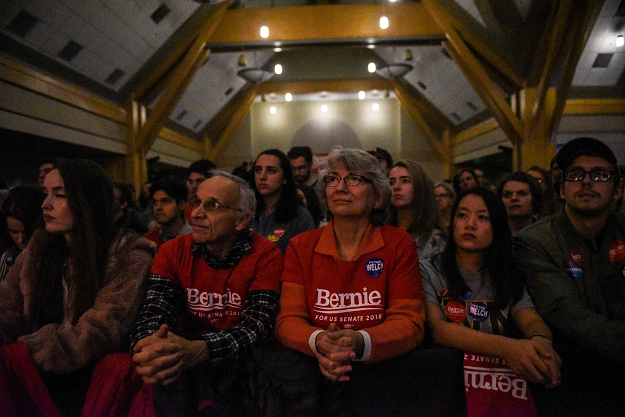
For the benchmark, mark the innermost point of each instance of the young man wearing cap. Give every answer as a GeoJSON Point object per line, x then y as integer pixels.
{"type": "Point", "coordinates": [574, 263]}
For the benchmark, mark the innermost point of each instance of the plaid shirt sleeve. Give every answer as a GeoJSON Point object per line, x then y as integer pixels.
{"type": "Point", "coordinates": [257, 321]}
{"type": "Point", "coordinates": [159, 307]}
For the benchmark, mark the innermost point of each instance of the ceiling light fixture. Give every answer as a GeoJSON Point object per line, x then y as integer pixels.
{"type": "Point", "coordinates": [253, 75]}
{"type": "Point", "coordinates": [361, 95]}
{"type": "Point", "coordinates": [288, 97]}
{"type": "Point", "coordinates": [278, 69]}
{"type": "Point", "coordinates": [264, 32]}
{"type": "Point", "coordinates": [620, 41]}
{"type": "Point", "coordinates": [398, 69]}
{"type": "Point", "coordinates": [371, 67]}
{"type": "Point", "coordinates": [376, 107]}
{"type": "Point", "coordinates": [384, 22]}
{"type": "Point", "coordinates": [272, 110]}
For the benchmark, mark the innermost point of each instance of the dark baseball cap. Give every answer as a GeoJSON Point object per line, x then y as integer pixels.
{"type": "Point", "coordinates": [587, 147]}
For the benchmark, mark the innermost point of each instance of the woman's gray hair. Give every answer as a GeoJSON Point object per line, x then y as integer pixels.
{"type": "Point", "coordinates": [247, 199]}
{"type": "Point", "coordinates": [361, 162]}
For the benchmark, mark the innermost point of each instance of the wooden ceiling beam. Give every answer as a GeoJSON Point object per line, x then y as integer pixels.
{"type": "Point", "coordinates": [547, 53]}
{"type": "Point", "coordinates": [330, 86]}
{"type": "Point", "coordinates": [165, 66]}
{"type": "Point", "coordinates": [594, 106]}
{"type": "Point", "coordinates": [572, 50]}
{"type": "Point", "coordinates": [171, 95]}
{"type": "Point", "coordinates": [233, 123]}
{"type": "Point", "coordinates": [506, 72]}
{"type": "Point", "coordinates": [325, 23]}
{"type": "Point", "coordinates": [410, 97]}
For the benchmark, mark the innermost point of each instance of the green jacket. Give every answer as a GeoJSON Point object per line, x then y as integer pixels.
{"type": "Point", "coordinates": [579, 292]}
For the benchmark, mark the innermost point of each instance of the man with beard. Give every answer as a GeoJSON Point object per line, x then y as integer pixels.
{"type": "Point", "coordinates": [574, 263]}
{"type": "Point", "coordinates": [301, 159]}
{"type": "Point", "coordinates": [169, 197]}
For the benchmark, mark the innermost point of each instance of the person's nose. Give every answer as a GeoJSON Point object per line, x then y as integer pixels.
{"type": "Point", "coordinates": [471, 223]}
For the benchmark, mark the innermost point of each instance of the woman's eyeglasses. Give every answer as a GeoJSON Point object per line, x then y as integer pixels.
{"type": "Point", "coordinates": [349, 180]}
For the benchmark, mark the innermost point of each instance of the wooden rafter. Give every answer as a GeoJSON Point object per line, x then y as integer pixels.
{"type": "Point", "coordinates": [325, 23]}
{"type": "Point", "coordinates": [476, 130]}
{"type": "Point", "coordinates": [168, 100]}
{"type": "Point", "coordinates": [411, 98]}
{"type": "Point", "coordinates": [180, 79]}
{"type": "Point", "coordinates": [416, 115]}
{"type": "Point", "coordinates": [149, 82]}
{"type": "Point", "coordinates": [330, 86]}
{"type": "Point", "coordinates": [548, 53]}
{"type": "Point", "coordinates": [582, 14]}
{"type": "Point", "coordinates": [507, 73]}
{"type": "Point", "coordinates": [234, 122]}
{"type": "Point", "coordinates": [594, 106]}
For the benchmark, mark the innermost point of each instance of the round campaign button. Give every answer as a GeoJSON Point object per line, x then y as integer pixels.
{"type": "Point", "coordinates": [478, 311]}
{"type": "Point", "coordinates": [574, 270]}
{"type": "Point", "coordinates": [577, 258]}
{"type": "Point", "coordinates": [456, 311]}
{"type": "Point", "coordinates": [374, 267]}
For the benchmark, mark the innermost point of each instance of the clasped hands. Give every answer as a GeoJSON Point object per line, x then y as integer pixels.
{"type": "Point", "coordinates": [535, 360]}
{"type": "Point", "coordinates": [163, 356]}
{"type": "Point", "coordinates": [336, 349]}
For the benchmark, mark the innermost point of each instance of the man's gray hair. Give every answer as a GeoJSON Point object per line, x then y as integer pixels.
{"type": "Point", "coordinates": [359, 161]}
{"type": "Point", "coordinates": [247, 199]}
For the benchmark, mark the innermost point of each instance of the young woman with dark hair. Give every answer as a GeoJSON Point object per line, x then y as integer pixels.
{"type": "Point", "coordinates": [73, 294]}
{"type": "Point", "coordinates": [279, 211]}
{"type": "Point", "coordinates": [19, 218]}
{"type": "Point", "coordinates": [475, 295]}
{"type": "Point", "coordinates": [414, 207]}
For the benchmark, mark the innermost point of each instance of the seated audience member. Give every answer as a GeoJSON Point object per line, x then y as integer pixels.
{"type": "Point", "coordinates": [19, 217]}
{"type": "Point", "coordinates": [465, 180]}
{"type": "Point", "coordinates": [311, 201]}
{"type": "Point", "coordinates": [522, 198]}
{"type": "Point", "coordinates": [574, 261]}
{"type": "Point", "coordinates": [197, 172]}
{"type": "Point", "coordinates": [279, 213]}
{"type": "Point", "coordinates": [44, 166]}
{"type": "Point", "coordinates": [73, 294]}
{"type": "Point", "coordinates": [549, 204]}
{"type": "Point", "coordinates": [301, 160]}
{"type": "Point", "coordinates": [212, 296]}
{"type": "Point", "coordinates": [169, 197]}
{"type": "Point", "coordinates": [414, 207]}
{"type": "Point", "coordinates": [351, 291]}
{"type": "Point", "coordinates": [445, 197]}
{"type": "Point", "coordinates": [474, 293]}
{"type": "Point", "coordinates": [125, 213]}
{"type": "Point", "coordinates": [384, 158]}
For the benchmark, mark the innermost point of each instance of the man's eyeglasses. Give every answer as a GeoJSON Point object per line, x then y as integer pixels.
{"type": "Point", "coordinates": [349, 180]}
{"type": "Point", "coordinates": [600, 175]}
{"type": "Point", "coordinates": [210, 205]}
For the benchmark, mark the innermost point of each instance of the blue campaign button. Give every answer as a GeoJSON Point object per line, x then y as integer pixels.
{"type": "Point", "coordinates": [374, 267]}
{"type": "Point", "coordinates": [478, 311]}
{"type": "Point", "coordinates": [574, 270]}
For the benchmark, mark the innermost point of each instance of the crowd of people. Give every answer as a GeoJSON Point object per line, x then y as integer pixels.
{"type": "Point", "coordinates": [267, 291]}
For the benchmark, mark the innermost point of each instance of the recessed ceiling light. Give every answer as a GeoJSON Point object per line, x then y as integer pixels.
{"type": "Point", "coordinates": [371, 67]}
{"type": "Point", "coordinates": [278, 69]}
{"type": "Point", "coordinates": [324, 108]}
{"type": "Point", "coordinates": [383, 22]}
{"type": "Point", "coordinates": [361, 95]}
{"type": "Point", "coordinates": [272, 109]}
{"type": "Point", "coordinates": [288, 97]}
{"type": "Point", "coordinates": [264, 32]}
{"type": "Point", "coordinates": [376, 107]}
{"type": "Point", "coordinates": [620, 41]}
